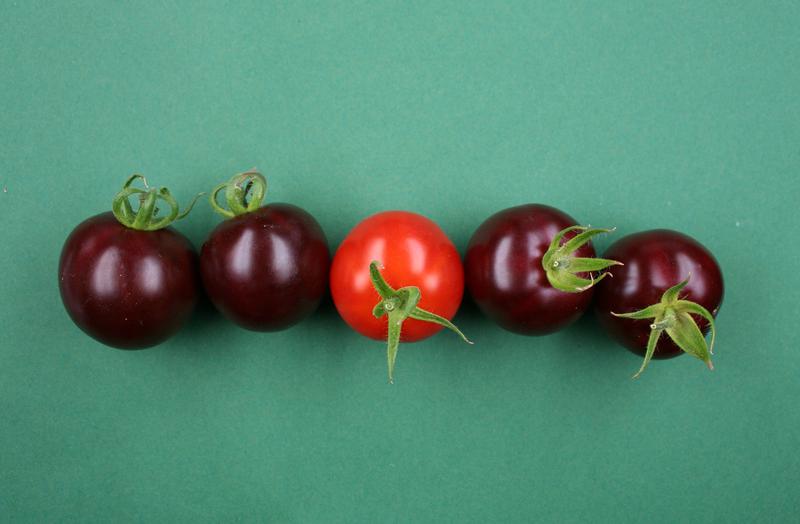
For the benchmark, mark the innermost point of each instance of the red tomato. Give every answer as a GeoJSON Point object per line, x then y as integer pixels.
{"type": "Point", "coordinates": [411, 251]}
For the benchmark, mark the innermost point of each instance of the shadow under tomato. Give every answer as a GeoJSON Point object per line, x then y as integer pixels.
{"type": "Point", "coordinates": [333, 333]}
{"type": "Point", "coordinates": [578, 351]}
{"type": "Point", "coordinates": [586, 351]}
{"type": "Point", "coordinates": [205, 326]}
{"type": "Point", "coordinates": [326, 342]}
{"type": "Point", "coordinates": [586, 336]}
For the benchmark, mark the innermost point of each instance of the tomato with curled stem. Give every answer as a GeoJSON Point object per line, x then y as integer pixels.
{"type": "Point", "coordinates": [663, 300]}
{"type": "Point", "coordinates": [265, 267]}
{"type": "Point", "coordinates": [397, 277]}
{"type": "Point", "coordinates": [126, 278]}
{"type": "Point", "coordinates": [531, 269]}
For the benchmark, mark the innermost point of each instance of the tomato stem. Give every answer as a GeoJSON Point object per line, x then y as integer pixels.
{"type": "Point", "coordinates": [398, 305]}
{"type": "Point", "coordinates": [675, 317]}
{"type": "Point", "coordinates": [145, 216]}
{"type": "Point", "coordinates": [563, 268]}
{"type": "Point", "coordinates": [244, 193]}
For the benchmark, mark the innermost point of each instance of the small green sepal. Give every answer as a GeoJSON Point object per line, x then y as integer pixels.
{"type": "Point", "coordinates": [563, 268]}
{"type": "Point", "coordinates": [244, 193]}
{"type": "Point", "coordinates": [674, 316]}
{"type": "Point", "coordinates": [398, 305]}
{"type": "Point", "coordinates": [145, 217]}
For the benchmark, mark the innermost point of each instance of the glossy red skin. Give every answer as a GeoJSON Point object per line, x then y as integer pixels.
{"type": "Point", "coordinates": [505, 276]}
{"type": "Point", "coordinates": [268, 269]}
{"type": "Point", "coordinates": [655, 261]}
{"type": "Point", "coordinates": [126, 288]}
{"type": "Point", "coordinates": [414, 251]}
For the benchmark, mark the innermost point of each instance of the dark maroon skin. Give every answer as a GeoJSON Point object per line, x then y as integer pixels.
{"type": "Point", "coordinates": [504, 274]}
{"type": "Point", "coordinates": [655, 261]}
{"type": "Point", "coordinates": [126, 288]}
{"type": "Point", "coordinates": [268, 269]}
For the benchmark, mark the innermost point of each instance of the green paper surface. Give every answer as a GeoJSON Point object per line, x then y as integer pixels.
{"type": "Point", "coordinates": [682, 115]}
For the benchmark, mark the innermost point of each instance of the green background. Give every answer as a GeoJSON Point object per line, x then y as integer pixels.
{"type": "Point", "coordinates": [670, 114]}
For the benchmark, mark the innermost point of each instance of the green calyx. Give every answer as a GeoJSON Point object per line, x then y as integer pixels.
{"type": "Point", "coordinates": [398, 305]}
{"type": "Point", "coordinates": [674, 316]}
{"type": "Point", "coordinates": [243, 193]}
{"type": "Point", "coordinates": [563, 267]}
{"type": "Point", "coordinates": [145, 217]}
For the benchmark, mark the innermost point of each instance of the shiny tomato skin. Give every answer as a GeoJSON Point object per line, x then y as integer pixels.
{"type": "Point", "coordinates": [413, 251]}
{"type": "Point", "coordinates": [655, 261]}
{"type": "Point", "coordinates": [268, 269]}
{"type": "Point", "coordinates": [126, 288]}
{"type": "Point", "coordinates": [504, 272]}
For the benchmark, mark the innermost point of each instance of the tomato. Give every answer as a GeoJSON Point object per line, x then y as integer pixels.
{"type": "Point", "coordinates": [530, 269]}
{"type": "Point", "coordinates": [417, 279]}
{"type": "Point", "coordinates": [126, 279]}
{"type": "Point", "coordinates": [664, 298]}
{"type": "Point", "coordinates": [265, 268]}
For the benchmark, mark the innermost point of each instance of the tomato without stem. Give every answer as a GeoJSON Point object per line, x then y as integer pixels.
{"type": "Point", "coordinates": [530, 268]}
{"type": "Point", "coordinates": [670, 287]}
{"type": "Point", "coordinates": [129, 287]}
{"type": "Point", "coordinates": [265, 268]}
{"type": "Point", "coordinates": [421, 269]}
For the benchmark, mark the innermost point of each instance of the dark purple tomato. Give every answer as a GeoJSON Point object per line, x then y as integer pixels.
{"type": "Point", "coordinates": [505, 276]}
{"type": "Point", "coordinates": [127, 288]}
{"type": "Point", "coordinates": [266, 269]}
{"type": "Point", "coordinates": [653, 262]}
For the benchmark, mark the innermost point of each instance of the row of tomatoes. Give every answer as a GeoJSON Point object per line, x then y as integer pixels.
{"type": "Point", "coordinates": [130, 281]}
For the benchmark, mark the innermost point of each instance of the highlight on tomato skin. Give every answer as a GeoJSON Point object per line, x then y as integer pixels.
{"type": "Point", "coordinates": [126, 278]}
{"type": "Point", "coordinates": [670, 288]}
{"type": "Point", "coordinates": [397, 266]}
{"type": "Point", "coordinates": [532, 268]}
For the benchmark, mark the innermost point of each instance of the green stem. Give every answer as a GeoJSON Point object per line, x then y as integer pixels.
{"type": "Point", "coordinates": [564, 270]}
{"type": "Point", "coordinates": [147, 209]}
{"type": "Point", "coordinates": [398, 305]}
{"type": "Point", "coordinates": [145, 217]}
{"type": "Point", "coordinates": [673, 315]}
{"type": "Point", "coordinates": [244, 193]}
